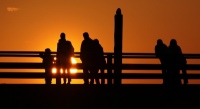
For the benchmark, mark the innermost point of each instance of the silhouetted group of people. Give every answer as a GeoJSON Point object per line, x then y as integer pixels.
{"type": "Point", "coordinates": [172, 62]}
{"type": "Point", "coordinates": [91, 55]}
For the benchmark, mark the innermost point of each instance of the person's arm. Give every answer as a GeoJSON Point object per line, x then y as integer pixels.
{"type": "Point", "coordinates": [72, 49]}
{"type": "Point", "coordinates": [81, 51]}
{"type": "Point", "coordinates": [183, 66]}
{"type": "Point", "coordinates": [156, 51]}
{"type": "Point", "coordinates": [58, 50]}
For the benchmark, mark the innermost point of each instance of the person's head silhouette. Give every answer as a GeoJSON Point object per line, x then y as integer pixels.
{"type": "Point", "coordinates": [47, 51]}
{"type": "Point", "coordinates": [62, 36]}
{"type": "Point", "coordinates": [96, 41]}
{"type": "Point", "coordinates": [159, 42]}
{"type": "Point", "coordinates": [173, 42]}
{"type": "Point", "coordinates": [86, 35]}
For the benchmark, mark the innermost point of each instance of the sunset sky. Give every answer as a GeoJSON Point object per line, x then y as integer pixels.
{"type": "Point", "coordinates": [33, 25]}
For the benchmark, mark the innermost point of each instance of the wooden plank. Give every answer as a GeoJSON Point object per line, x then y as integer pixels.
{"type": "Point", "coordinates": [28, 65]}
{"type": "Point", "coordinates": [77, 54]}
{"type": "Point", "coordinates": [80, 75]}
{"type": "Point", "coordinates": [154, 67]}
{"type": "Point", "coordinates": [22, 65]}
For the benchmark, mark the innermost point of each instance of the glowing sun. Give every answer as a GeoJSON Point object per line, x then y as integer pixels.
{"type": "Point", "coordinates": [72, 70]}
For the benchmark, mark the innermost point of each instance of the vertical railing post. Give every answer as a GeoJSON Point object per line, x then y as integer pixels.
{"type": "Point", "coordinates": [109, 68]}
{"type": "Point", "coordinates": [118, 46]}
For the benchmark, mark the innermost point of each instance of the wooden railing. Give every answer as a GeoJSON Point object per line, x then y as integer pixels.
{"type": "Point", "coordinates": [109, 75]}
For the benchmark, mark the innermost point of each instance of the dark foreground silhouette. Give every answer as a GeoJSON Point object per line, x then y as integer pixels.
{"type": "Point", "coordinates": [172, 62]}
{"type": "Point", "coordinates": [99, 97]}
{"type": "Point", "coordinates": [65, 51]}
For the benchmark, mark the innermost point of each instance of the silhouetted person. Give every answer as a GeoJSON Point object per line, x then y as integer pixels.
{"type": "Point", "coordinates": [97, 61]}
{"type": "Point", "coordinates": [47, 64]}
{"type": "Point", "coordinates": [85, 55]}
{"type": "Point", "coordinates": [174, 65]}
{"type": "Point", "coordinates": [65, 51]}
{"type": "Point", "coordinates": [99, 58]}
{"type": "Point", "coordinates": [161, 53]}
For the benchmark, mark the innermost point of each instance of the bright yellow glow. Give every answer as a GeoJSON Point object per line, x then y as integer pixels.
{"type": "Point", "coordinates": [73, 60]}
{"type": "Point", "coordinates": [61, 70]}
{"type": "Point", "coordinates": [54, 58]}
{"type": "Point", "coordinates": [54, 70]}
{"type": "Point", "coordinates": [72, 70]}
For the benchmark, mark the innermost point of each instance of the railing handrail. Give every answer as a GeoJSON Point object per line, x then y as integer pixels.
{"type": "Point", "coordinates": [37, 75]}
{"type": "Point", "coordinates": [124, 53]}
{"type": "Point", "coordinates": [77, 54]}
{"type": "Point", "coordinates": [125, 66]}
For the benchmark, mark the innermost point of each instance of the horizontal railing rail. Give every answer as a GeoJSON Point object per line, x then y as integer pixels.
{"type": "Point", "coordinates": [41, 75]}
{"type": "Point", "coordinates": [29, 65]}
{"type": "Point", "coordinates": [77, 54]}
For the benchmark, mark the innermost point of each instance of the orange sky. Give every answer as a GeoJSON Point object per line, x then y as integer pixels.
{"type": "Point", "coordinates": [38, 23]}
{"type": "Point", "coordinates": [33, 25]}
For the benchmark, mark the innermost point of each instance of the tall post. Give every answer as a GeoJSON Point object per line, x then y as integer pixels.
{"type": "Point", "coordinates": [118, 46]}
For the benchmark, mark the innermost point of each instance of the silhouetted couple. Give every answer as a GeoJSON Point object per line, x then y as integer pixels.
{"type": "Point", "coordinates": [65, 51]}
{"type": "Point", "coordinates": [92, 57]}
{"type": "Point", "coordinates": [172, 61]}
